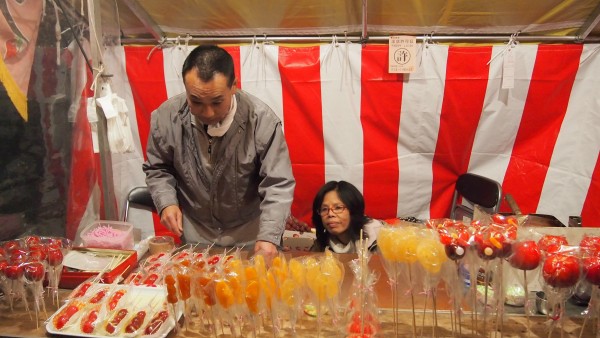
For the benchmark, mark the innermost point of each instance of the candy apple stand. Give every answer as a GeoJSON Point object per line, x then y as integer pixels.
{"type": "Point", "coordinates": [399, 98]}
{"type": "Point", "coordinates": [436, 278]}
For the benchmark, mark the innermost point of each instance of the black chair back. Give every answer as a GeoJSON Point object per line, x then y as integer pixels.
{"type": "Point", "coordinates": [477, 190]}
{"type": "Point", "coordinates": [141, 197]}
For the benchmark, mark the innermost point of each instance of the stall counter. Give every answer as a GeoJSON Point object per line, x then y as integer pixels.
{"type": "Point", "coordinates": [18, 323]}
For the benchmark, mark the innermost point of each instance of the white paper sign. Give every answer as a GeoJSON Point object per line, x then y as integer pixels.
{"type": "Point", "coordinates": [402, 54]}
{"type": "Point", "coordinates": [508, 69]}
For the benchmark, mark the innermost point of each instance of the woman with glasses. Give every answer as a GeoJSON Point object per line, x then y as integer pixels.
{"type": "Point", "coordinates": [339, 216]}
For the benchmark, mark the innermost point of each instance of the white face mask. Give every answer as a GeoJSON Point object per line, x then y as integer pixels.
{"type": "Point", "coordinates": [219, 129]}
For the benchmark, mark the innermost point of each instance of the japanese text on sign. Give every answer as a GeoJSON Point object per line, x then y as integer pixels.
{"type": "Point", "coordinates": [402, 54]}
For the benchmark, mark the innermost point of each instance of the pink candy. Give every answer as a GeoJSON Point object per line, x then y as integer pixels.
{"type": "Point", "coordinates": [107, 236]}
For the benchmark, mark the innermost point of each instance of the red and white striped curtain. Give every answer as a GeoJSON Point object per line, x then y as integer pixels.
{"type": "Point", "coordinates": [403, 139]}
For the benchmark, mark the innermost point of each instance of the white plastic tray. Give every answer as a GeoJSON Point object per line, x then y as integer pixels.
{"type": "Point", "coordinates": [138, 297]}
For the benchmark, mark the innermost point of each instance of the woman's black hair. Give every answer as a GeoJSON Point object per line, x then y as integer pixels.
{"type": "Point", "coordinates": [209, 60]}
{"type": "Point", "coordinates": [353, 200]}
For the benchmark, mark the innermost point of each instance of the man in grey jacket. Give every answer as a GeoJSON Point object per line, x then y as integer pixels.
{"type": "Point", "coordinates": [218, 165]}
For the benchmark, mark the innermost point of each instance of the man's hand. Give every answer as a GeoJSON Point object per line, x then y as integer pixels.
{"type": "Point", "coordinates": [267, 249]}
{"type": "Point", "coordinates": [171, 217]}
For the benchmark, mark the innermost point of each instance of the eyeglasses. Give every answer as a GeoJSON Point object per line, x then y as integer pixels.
{"type": "Point", "coordinates": [338, 209]}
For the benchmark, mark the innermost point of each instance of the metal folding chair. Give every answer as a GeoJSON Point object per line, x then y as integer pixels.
{"type": "Point", "coordinates": [476, 190]}
{"type": "Point", "coordinates": [140, 197]}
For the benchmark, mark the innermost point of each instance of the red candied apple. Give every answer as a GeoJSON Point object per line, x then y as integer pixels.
{"type": "Point", "coordinates": [367, 328]}
{"type": "Point", "coordinates": [3, 264]}
{"type": "Point", "coordinates": [551, 243]}
{"type": "Point", "coordinates": [591, 269]}
{"type": "Point", "coordinates": [19, 255]}
{"type": "Point", "coordinates": [38, 253]}
{"type": "Point", "coordinates": [590, 244]}
{"type": "Point", "coordinates": [526, 255]}
{"type": "Point", "coordinates": [214, 259]}
{"type": "Point", "coordinates": [55, 256]}
{"type": "Point", "coordinates": [10, 246]}
{"type": "Point", "coordinates": [13, 271]}
{"type": "Point", "coordinates": [32, 240]}
{"type": "Point", "coordinates": [34, 271]}
{"type": "Point", "coordinates": [445, 237]}
{"type": "Point", "coordinates": [561, 270]}
{"type": "Point", "coordinates": [505, 219]}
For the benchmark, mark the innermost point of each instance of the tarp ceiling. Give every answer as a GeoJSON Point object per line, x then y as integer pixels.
{"type": "Point", "coordinates": [560, 20]}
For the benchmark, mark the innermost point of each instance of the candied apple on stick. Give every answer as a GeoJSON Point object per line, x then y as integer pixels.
{"type": "Point", "coordinates": [68, 315]}
{"type": "Point", "coordinates": [156, 322]}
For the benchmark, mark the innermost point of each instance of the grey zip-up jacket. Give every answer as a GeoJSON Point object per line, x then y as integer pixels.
{"type": "Point", "coordinates": [252, 185]}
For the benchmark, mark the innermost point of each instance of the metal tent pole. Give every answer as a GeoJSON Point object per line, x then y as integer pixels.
{"type": "Point", "coordinates": [376, 39]}
{"type": "Point", "coordinates": [108, 190]}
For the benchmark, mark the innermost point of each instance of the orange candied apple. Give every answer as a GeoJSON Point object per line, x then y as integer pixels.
{"type": "Point", "coordinates": [171, 289]}
{"type": "Point", "coordinates": [224, 293]}
{"type": "Point", "coordinates": [252, 294]}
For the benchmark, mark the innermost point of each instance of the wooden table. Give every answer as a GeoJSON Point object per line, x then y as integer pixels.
{"type": "Point", "coordinates": [19, 324]}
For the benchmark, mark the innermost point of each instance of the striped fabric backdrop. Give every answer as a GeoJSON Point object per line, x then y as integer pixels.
{"type": "Point", "coordinates": [404, 139]}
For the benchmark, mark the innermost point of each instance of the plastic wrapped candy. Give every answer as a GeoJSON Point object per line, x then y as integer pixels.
{"type": "Point", "coordinates": [324, 278]}
{"type": "Point", "coordinates": [69, 315]}
{"type": "Point", "coordinates": [590, 245]}
{"type": "Point", "coordinates": [34, 273]}
{"type": "Point", "coordinates": [431, 256]}
{"type": "Point", "coordinates": [170, 281]}
{"type": "Point", "coordinates": [398, 247]}
{"type": "Point", "coordinates": [561, 271]}
{"type": "Point", "coordinates": [493, 242]}
{"type": "Point", "coordinates": [363, 321]}
{"type": "Point", "coordinates": [591, 271]}
{"type": "Point", "coordinates": [550, 244]}
{"type": "Point", "coordinates": [455, 236]}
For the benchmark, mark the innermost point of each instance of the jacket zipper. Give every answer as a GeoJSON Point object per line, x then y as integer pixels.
{"type": "Point", "coordinates": [210, 140]}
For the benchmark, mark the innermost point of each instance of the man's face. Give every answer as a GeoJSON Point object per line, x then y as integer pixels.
{"type": "Point", "coordinates": [209, 101]}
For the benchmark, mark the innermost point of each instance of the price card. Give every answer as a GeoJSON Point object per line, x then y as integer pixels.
{"type": "Point", "coordinates": [402, 54]}
{"type": "Point", "coordinates": [508, 69]}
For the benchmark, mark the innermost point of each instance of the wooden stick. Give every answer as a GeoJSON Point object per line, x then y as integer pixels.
{"type": "Point", "coordinates": [412, 300]}
{"type": "Point", "coordinates": [485, 298]}
{"type": "Point", "coordinates": [527, 303]}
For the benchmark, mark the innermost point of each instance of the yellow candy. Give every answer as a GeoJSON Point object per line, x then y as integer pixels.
{"type": "Point", "coordinates": [288, 293]}
{"type": "Point", "coordinates": [331, 289]}
{"type": "Point", "coordinates": [277, 261]}
{"type": "Point", "coordinates": [264, 288]}
{"type": "Point", "coordinates": [431, 255]}
{"type": "Point", "coordinates": [385, 244]}
{"type": "Point", "coordinates": [234, 265]}
{"type": "Point", "coordinates": [406, 242]}
{"type": "Point", "coordinates": [280, 262]}
{"type": "Point", "coordinates": [331, 268]}
{"type": "Point", "coordinates": [318, 286]}
{"type": "Point", "coordinates": [259, 264]}
{"type": "Point", "coordinates": [272, 285]}
{"type": "Point", "coordinates": [298, 272]}
{"type": "Point", "coordinates": [312, 269]}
